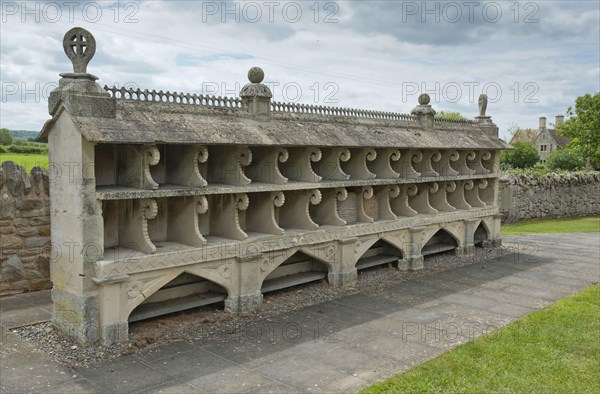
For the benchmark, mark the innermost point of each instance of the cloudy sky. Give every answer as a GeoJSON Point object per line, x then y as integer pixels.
{"type": "Point", "coordinates": [531, 58]}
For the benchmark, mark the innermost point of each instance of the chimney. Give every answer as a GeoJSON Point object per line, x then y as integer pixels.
{"type": "Point", "coordinates": [559, 119]}
{"type": "Point", "coordinates": [542, 123]}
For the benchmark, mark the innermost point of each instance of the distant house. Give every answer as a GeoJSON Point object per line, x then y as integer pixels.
{"type": "Point", "coordinates": [544, 139]}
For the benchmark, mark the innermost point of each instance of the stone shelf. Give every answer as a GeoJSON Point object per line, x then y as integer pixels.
{"type": "Point", "coordinates": [121, 260]}
{"type": "Point", "coordinates": [168, 190]}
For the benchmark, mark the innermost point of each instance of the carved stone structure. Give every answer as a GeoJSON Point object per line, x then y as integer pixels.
{"type": "Point", "coordinates": [169, 201]}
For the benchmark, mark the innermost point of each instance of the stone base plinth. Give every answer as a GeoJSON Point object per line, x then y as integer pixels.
{"type": "Point", "coordinates": [414, 263]}
{"type": "Point", "coordinates": [342, 278]}
{"type": "Point", "coordinates": [242, 303]}
{"type": "Point", "coordinates": [492, 243]}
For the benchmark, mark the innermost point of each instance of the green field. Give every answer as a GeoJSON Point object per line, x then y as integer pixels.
{"type": "Point", "coordinates": [554, 350]}
{"type": "Point", "coordinates": [590, 224]}
{"type": "Point", "coordinates": [26, 160]}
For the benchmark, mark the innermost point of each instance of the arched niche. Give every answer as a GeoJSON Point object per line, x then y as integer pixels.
{"type": "Point", "coordinates": [380, 253]}
{"type": "Point", "coordinates": [185, 291]}
{"type": "Point", "coordinates": [439, 242]}
{"type": "Point", "coordinates": [297, 269]}
{"type": "Point", "coordinates": [481, 234]}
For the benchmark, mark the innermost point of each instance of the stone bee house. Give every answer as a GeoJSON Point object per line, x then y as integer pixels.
{"type": "Point", "coordinates": [165, 201]}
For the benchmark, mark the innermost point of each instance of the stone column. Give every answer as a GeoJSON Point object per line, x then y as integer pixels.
{"type": "Point", "coordinates": [345, 271]}
{"type": "Point", "coordinates": [249, 296]}
{"type": "Point", "coordinates": [414, 258]}
{"type": "Point", "coordinates": [469, 245]}
{"type": "Point", "coordinates": [494, 240]}
{"type": "Point", "coordinates": [77, 226]}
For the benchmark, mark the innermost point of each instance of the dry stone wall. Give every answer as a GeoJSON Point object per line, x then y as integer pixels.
{"type": "Point", "coordinates": [24, 229]}
{"type": "Point", "coordinates": [524, 197]}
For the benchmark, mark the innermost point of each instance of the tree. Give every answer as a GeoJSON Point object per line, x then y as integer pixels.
{"type": "Point", "coordinates": [583, 127]}
{"type": "Point", "coordinates": [6, 137]}
{"type": "Point", "coordinates": [564, 159]}
{"type": "Point", "coordinates": [523, 155]}
{"type": "Point", "coordinates": [450, 115]}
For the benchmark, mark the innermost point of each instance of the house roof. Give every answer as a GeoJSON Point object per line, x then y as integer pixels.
{"type": "Point", "coordinates": [524, 135]}
{"type": "Point", "coordinates": [559, 139]}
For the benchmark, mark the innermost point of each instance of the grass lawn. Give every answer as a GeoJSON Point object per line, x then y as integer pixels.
{"type": "Point", "coordinates": [554, 350]}
{"type": "Point", "coordinates": [27, 160]}
{"type": "Point", "coordinates": [590, 224]}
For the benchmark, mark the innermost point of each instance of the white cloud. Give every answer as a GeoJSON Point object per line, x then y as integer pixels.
{"type": "Point", "coordinates": [373, 53]}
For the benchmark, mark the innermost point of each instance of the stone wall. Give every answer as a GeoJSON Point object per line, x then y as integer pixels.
{"type": "Point", "coordinates": [523, 197]}
{"type": "Point", "coordinates": [24, 229]}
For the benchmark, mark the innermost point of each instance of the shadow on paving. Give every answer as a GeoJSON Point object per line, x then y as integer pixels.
{"type": "Point", "coordinates": [349, 342]}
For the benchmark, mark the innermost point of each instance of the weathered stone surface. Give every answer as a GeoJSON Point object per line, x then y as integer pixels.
{"type": "Point", "coordinates": [27, 232]}
{"type": "Point", "coordinates": [38, 220]}
{"type": "Point", "coordinates": [7, 230]}
{"type": "Point", "coordinates": [523, 197]}
{"type": "Point", "coordinates": [10, 241]}
{"type": "Point", "coordinates": [24, 228]}
{"type": "Point", "coordinates": [15, 179]}
{"type": "Point", "coordinates": [7, 209]}
{"type": "Point", "coordinates": [44, 231]}
{"type": "Point", "coordinates": [36, 242]}
{"type": "Point", "coordinates": [28, 204]}
{"type": "Point", "coordinates": [35, 213]}
{"type": "Point", "coordinates": [13, 261]}
{"type": "Point", "coordinates": [19, 222]}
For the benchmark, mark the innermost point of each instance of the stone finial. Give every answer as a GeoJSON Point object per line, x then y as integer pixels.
{"type": "Point", "coordinates": [78, 90]}
{"type": "Point", "coordinates": [256, 75]}
{"type": "Point", "coordinates": [485, 121]}
{"type": "Point", "coordinates": [483, 100]}
{"type": "Point", "coordinates": [80, 46]}
{"type": "Point", "coordinates": [424, 112]}
{"type": "Point", "coordinates": [256, 97]}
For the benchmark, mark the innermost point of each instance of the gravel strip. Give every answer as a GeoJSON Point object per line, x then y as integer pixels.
{"type": "Point", "coordinates": [202, 323]}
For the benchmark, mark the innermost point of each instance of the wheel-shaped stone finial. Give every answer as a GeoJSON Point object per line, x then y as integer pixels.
{"type": "Point", "coordinates": [256, 75]}
{"type": "Point", "coordinates": [80, 46]}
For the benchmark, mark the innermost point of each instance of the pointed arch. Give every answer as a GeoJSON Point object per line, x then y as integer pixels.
{"type": "Point", "coordinates": [380, 252]}
{"type": "Point", "coordinates": [190, 288]}
{"type": "Point", "coordinates": [294, 270]}
{"type": "Point", "coordinates": [272, 260]}
{"type": "Point", "coordinates": [480, 234]}
{"type": "Point", "coordinates": [441, 241]}
{"type": "Point", "coordinates": [488, 223]}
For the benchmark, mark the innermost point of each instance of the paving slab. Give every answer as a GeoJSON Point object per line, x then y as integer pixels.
{"type": "Point", "coordinates": [336, 346]}
{"type": "Point", "coordinates": [24, 309]}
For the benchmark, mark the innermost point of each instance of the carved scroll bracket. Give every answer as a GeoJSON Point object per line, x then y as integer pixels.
{"type": "Point", "coordinates": [226, 165]}
{"type": "Point", "coordinates": [261, 214]}
{"type": "Point", "coordinates": [382, 165]}
{"type": "Point", "coordinates": [296, 212]}
{"type": "Point", "coordinates": [265, 167]}
{"type": "Point", "coordinates": [356, 167]}
{"type": "Point", "coordinates": [329, 167]}
{"type": "Point", "coordinates": [299, 164]}
{"type": "Point", "coordinates": [326, 213]}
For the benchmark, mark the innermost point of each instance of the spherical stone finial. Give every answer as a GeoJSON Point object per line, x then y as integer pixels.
{"type": "Point", "coordinates": [424, 99]}
{"type": "Point", "coordinates": [80, 46]}
{"type": "Point", "coordinates": [256, 75]}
